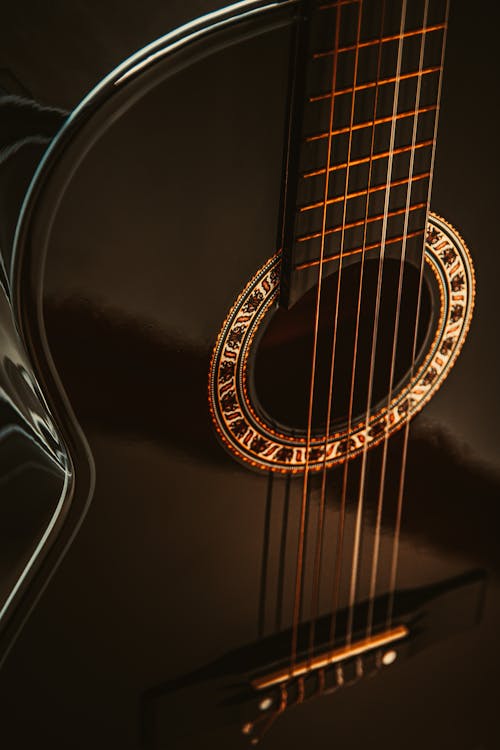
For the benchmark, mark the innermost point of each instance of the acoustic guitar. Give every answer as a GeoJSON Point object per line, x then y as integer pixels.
{"type": "Point", "coordinates": [248, 388]}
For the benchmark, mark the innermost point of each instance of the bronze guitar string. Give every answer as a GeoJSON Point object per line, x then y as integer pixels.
{"type": "Point", "coordinates": [319, 531]}
{"type": "Point", "coordinates": [341, 521]}
{"type": "Point", "coordinates": [360, 502]}
{"type": "Point", "coordinates": [383, 469]}
{"type": "Point", "coordinates": [406, 433]}
{"type": "Point", "coordinates": [305, 486]}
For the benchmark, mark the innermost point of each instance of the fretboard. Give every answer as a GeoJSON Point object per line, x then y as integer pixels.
{"type": "Point", "coordinates": [362, 138]}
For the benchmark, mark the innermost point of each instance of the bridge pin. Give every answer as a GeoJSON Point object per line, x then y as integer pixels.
{"type": "Point", "coordinates": [265, 704]}
{"type": "Point", "coordinates": [389, 658]}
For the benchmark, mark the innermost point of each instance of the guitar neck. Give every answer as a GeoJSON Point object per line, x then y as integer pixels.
{"type": "Point", "coordinates": [363, 124]}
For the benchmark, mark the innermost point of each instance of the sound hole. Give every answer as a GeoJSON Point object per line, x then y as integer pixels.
{"type": "Point", "coordinates": [281, 369]}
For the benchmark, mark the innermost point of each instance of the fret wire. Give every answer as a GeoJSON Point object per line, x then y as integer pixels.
{"type": "Point", "coordinates": [337, 4]}
{"type": "Point", "coordinates": [362, 193]}
{"type": "Point", "coordinates": [372, 84]}
{"type": "Point", "coordinates": [329, 258]}
{"type": "Point", "coordinates": [366, 159]}
{"type": "Point", "coordinates": [361, 222]}
{"type": "Point", "coordinates": [374, 42]}
{"type": "Point", "coordinates": [370, 123]}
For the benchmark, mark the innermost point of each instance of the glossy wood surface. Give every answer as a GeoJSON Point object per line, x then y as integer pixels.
{"type": "Point", "coordinates": [186, 556]}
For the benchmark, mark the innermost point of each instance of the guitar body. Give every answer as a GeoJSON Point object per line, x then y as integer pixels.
{"type": "Point", "coordinates": [156, 207]}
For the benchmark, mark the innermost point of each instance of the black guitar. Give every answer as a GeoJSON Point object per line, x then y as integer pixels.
{"type": "Point", "coordinates": [248, 387]}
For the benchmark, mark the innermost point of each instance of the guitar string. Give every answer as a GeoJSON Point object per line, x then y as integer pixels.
{"type": "Point", "coordinates": [361, 493]}
{"type": "Point", "coordinates": [280, 583]}
{"type": "Point", "coordinates": [264, 572]}
{"type": "Point", "coordinates": [383, 468]}
{"type": "Point", "coordinates": [337, 572]}
{"type": "Point", "coordinates": [406, 433]}
{"type": "Point", "coordinates": [305, 484]}
{"type": "Point", "coordinates": [321, 509]}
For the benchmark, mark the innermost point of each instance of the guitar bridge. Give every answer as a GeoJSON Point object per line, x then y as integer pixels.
{"type": "Point", "coordinates": [305, 667]}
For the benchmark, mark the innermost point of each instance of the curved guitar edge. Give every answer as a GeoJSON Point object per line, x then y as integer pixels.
{"type": "Point", "coordinates": [37, 474]}
{"type": "Point", "coordinates": [42, 443]}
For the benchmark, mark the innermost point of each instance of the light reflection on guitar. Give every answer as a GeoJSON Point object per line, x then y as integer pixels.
{"type": "Point", "coordinates": [186, 558]}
